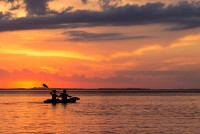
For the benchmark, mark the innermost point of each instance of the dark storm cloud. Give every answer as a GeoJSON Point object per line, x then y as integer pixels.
{"type": "Point", "coordinates": [37, 7]}
{"type": "Point", "coordinates": [187, 24]}
{"type": "Point", "coordinates": [185, 15]}
{"type": "Point", "coordinates": [87, 36]}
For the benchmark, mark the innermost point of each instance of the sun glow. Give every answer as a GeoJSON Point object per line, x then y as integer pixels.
{"type": "Point", "coordinates": [26, 84]}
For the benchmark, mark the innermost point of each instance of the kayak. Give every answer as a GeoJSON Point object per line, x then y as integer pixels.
{"type": "Point", "coordinates": [71, 100]}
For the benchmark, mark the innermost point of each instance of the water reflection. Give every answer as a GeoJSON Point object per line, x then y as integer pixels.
{"type": "Point", "coordinates": [101, 114]}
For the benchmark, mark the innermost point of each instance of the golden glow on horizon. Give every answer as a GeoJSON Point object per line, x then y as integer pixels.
{"type": "Point", "coordinates": [26, 84]}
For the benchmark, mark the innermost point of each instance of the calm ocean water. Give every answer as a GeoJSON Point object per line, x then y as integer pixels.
{"type": "Point", "coordinates": [101, 113]}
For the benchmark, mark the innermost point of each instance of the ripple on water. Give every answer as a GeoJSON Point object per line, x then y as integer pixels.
{"type": "Point", "coordinates": [101, 114]}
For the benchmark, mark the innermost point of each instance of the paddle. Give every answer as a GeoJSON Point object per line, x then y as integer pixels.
{"type": "Point", "coordinates": [44, 85]}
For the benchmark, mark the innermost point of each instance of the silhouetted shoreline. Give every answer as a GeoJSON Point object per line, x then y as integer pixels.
{"type": "Point", "coordinates": [136, 90]}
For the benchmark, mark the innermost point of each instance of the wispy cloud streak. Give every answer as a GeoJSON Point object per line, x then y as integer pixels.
{"type": "Point", "coordinates": [87, 36]}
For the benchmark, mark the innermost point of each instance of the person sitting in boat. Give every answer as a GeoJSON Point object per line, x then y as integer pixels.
{"type": "Point", "coordinates": [64, 95]}
{"type": "Point", "coordinates": [54, 95]}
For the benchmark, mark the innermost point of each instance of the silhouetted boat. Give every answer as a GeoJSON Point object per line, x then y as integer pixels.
{"type": "Point", "coordinates": [71, 100]}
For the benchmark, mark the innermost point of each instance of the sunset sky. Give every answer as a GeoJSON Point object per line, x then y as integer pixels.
{"type": "Point", "coordinates": [100, 43]}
